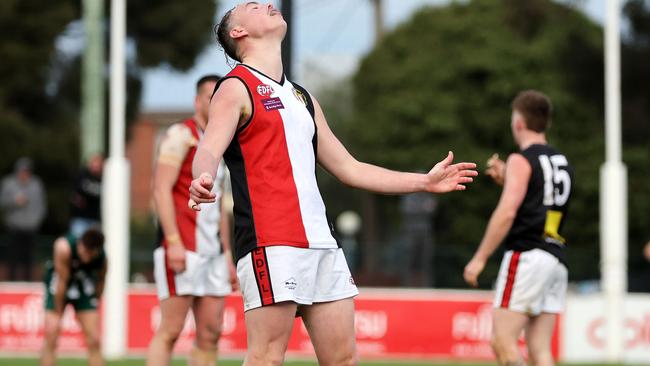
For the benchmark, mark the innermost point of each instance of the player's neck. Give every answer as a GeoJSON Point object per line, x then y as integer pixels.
{"type": "Point", "coordinates": [267, 58]}
{"type": "Point", "coordinates": [532, 138]}
{"type": "Point", "coordinates": [200, 121]}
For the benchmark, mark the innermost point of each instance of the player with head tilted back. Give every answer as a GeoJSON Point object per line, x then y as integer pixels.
{"type": "Point", "coordinates": [532, 282]}
{"type": "Point", "coordinates": [271, 133]}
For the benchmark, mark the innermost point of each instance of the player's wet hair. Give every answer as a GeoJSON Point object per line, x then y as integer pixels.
{"type": "Point", "coordinates": [226, 42]}
{"type": "Point", "coordinates": [206, 78]}
{"type": "Point", "coordinates": [536, 108]}
{"type": "Point", "coordinates": [92, 239]}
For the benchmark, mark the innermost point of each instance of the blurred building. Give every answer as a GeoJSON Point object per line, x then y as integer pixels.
{"type": "Point", "coordinates": [144, 136]}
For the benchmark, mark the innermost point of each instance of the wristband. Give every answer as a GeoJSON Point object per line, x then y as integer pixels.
{"type": "Point", "coordinates": [173, 240]}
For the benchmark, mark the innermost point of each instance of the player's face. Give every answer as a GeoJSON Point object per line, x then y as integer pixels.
{"type": "Point", "coordinates": [86, 255]}
{"type": "Point", "coordinates": [258, 19]}
{"type": "Point", "coordinates": [202, 101]}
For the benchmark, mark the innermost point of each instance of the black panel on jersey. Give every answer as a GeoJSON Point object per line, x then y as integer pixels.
{"type": "Point", "coordinates": [528, 229]}
{"type": "Point", "coordinates": [310, 102]}
{"type": "Point", "coordinates": [312, 112]}
{"type": "Point", "coordinates": [245, 234]}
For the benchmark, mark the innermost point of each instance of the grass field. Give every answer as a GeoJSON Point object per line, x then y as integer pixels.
{"type": "Point", "coordinates": [79, 362]}
{"type": "Point", "coordinates": [139, 362]}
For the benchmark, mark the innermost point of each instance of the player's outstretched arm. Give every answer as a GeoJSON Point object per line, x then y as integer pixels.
{"type": "Point", "coordinates": [333, 156]}
{"type": "Point", "coordinates": [229, 107]}
{"type": "Point", "coordinates": [517, 175]}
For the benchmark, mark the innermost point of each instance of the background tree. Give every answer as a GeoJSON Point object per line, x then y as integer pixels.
{"type": "Point", "coordinates": [636, 133]}
{"type": "Point", "coordinates": [444, 81]}
{"type": "Point", "coordinates": [40, 90]}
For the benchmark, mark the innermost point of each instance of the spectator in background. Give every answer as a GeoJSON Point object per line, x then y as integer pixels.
{"type": "Point", "coordinates": [85, 203]}
{"type": "Point", "coordinates": [23, 203]}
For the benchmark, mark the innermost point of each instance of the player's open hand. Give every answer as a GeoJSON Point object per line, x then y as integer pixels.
{"type": "Point", "coordinates": [201, 191]}
{"type": "Point", "coordinates": [472, 270]}
{"type": "Point", "coordinates": [447, 177]}
{"type": "Point", "coordinates": [176, 257]}
{"type": "Point", "coordinates": [496, 169]}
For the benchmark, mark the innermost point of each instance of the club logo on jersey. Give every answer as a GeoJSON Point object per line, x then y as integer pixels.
{"type": "Point", "coordinates": [300, 96]}
{"type": "Point", "coordinates": [265, 90]}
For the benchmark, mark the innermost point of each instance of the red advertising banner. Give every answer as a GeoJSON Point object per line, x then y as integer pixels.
{"type": "Point", "coordinates": [419, 324]}
{"type": "Point", "coordinates": [21, 321]}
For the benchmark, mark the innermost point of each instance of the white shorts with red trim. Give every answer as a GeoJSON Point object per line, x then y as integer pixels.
{"type": "Point", "coordinates": [204, 275]}
{"type": "Point", "coordinates": [274, 274]}
{"type": "Point", "coordinates": [531, 282]}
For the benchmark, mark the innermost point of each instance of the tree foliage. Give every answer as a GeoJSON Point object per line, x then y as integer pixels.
{"type": "Point", "coordinates": [636, 129]}
{"type": "Point", "coordinates": [444, 81]}
{"type": "Point", "coordinates": [40, 89]}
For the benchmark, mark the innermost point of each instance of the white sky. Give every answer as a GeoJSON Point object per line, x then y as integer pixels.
{"type": "Point", "coordinates": [333, 27]}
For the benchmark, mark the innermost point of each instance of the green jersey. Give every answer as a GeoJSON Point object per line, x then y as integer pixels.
{"type": "Point", "coordinates": [81, 289]}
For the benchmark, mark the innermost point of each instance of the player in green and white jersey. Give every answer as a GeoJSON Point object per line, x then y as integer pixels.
{"type": "Point", "coordinates": [75, 276]}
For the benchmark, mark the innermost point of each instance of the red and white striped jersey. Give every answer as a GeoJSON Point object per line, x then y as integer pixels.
{"type": "Point", "coordinates": [199, 230]}
{"type": "Point", "coordinates": [272, 164]}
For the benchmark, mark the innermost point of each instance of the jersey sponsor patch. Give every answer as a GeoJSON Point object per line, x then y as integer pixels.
{"type": "Point", "coordinates": [271, 104]}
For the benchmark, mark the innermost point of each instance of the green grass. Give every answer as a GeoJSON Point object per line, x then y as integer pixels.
{"type": "Point", "coordinates": [139, 362]}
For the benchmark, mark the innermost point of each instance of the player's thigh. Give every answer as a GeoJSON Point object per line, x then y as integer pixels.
{"type": "Point", "coordinates": [89, 321]}
{"type": "Point", "coordinates": [173, 311]}
{"type": "Point", "coordinates": [331, 329]}
{"type": "Point", "coordinates": [539, 332]}
{"type": "Point", "coordinates": [208, 315]}
{"type": "Point", "coordinates": [268, 328]}
{"type": "Point", "coordinates": [507, 325]}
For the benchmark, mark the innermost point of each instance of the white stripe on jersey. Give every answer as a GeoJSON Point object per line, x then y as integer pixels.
{"type": "Point", "coordinates": [299, 130]}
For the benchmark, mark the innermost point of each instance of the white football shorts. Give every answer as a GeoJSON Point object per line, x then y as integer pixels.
{"type": "Point", "coordinates": [305, 276]}
{"type": "Point", "coordinates": [531, 282]}
{"type": "Point", "coordinates": [204, 275]}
